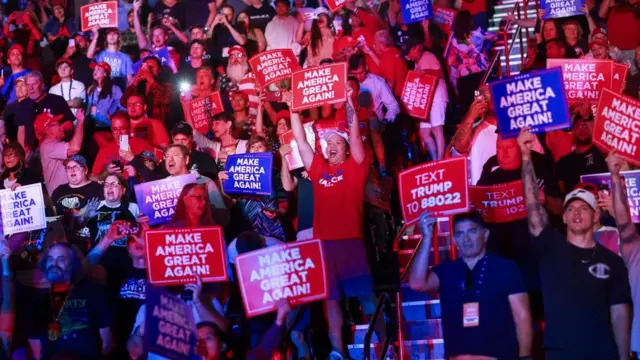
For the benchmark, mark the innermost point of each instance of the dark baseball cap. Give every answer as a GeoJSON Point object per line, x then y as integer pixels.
{"type": "Point", "coordinates": [76, 158]}
{"type": "Point", "coordinates": [182, 128]}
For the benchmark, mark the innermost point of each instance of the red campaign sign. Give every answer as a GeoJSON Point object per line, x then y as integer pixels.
{"type": "Point", "coordinates": [584, 79]}
{"type": "Point", "coordinates": [417, 94]}
{"type": "Point", "coordinates": [620, 72]}
{"type": "Point", "coordinates": [617, 125]}
{"type": "Point", "coordinates": [499, 203]}
{"type": "Point", "coordinates": [274, 65]}
{"type": "Point", "coordinates": [101, 14]}
{"type": "Point", "coordinates": [319, 85]}
{"type": "Point", "coordinates": [440, 187]}
{"type": "Point", "coordinates": [175, 256]}
{"type": "Point", "coordinates": [204, 109]}
{"type": "Point", "coordinates": [443, 17]}
{"type": "Point", "coordinates": [293, 159]}
{"type": "Point", "coordinates": [335, 5]}
{"type": "Point", "coordinates": [295, 271]}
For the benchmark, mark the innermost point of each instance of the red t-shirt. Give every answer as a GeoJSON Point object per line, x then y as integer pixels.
{"type": "Point", "coordinates": [338, 195]}
{"type": "Point", "coordinates": [150, 130]}
{"type": "Point", "coordinates": [110, 153]}
{"type": "Point", "coordinates": [623, 27]}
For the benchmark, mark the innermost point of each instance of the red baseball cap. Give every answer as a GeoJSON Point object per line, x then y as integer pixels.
{"type": "Point", "coordinates": [601, 42]}
{"type": "Point", "coordinates": [42, 121]}
{"type": "Point", "coordinates": [599, 31]}
{"type": "Point", "coordinates": [103, 65]}
{"type": "Point", "coordinates": [64, 61]}
{"type": "Point", "coordinates": [283, 114]}
{"type": "Point", "coordinates": [15, 47]}
{"type": "Point", "coordinates": [237, 48]}
{"type": "Point", "coordinates": [239, 93]}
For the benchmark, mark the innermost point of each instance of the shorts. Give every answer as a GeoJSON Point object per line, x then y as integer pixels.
{"type": "Point", "coordinates": [348, 273]}
{"type": "Point", "coordinates": [436, 115]}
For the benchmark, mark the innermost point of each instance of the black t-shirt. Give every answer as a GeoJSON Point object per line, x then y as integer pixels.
{"type": "Point", "coordinates": [579, 286]}
{"type": "Point", "coordinates": [66, 198]}
{"type": "Point", "coordinates": [511, 240]}
{"type": "Point", "coordinates": [117, 254]}
{"type": "Point", "coordinates": [81, 70]}
{"type": "Point", "coordinates": [128, 299]}
{"type": "Point", "coordinates": [28, 110]}
{"type": "Point", "coordinates": [570, 167]}
{"type": "Point", "coordinates": [222, 41]}
{"type": "Point", "coordinates": [305, 201]}
{"type": "Point", "coordinates": [177, 11]}
{"type": "Point", "coordinates": [85, 312]}
{"type": "Point", "coordinates": [197, 12]}
{"type": "Point", "coordinates": [259, 18]}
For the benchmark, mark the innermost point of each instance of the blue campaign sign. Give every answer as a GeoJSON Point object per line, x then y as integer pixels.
{"type": "Point", "coordinates": [169, 326]}
{"type": "Point", "coordinates": [536, 99]}
{"type": "Point", "coordinates": [416, 10]}
{"type": "Point", "coordinates": [249, 174]}
{"type": "Point", "coordinates": [165, 59]}
{"type": "Point", "coordinates": [561, 8]}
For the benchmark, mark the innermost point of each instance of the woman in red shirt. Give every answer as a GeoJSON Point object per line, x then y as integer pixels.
{"type": "Point", "coordinates": [338, 193]}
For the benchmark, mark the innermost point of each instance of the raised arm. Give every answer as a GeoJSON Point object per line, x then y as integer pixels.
{"type": "Point", "coordinates": [355, 140]}
{"type": "Point", "coordinates": [306, 151]}
{"type": "Point", "coordinates": [420, 278]}
{"type": "Point", "coordinates": [464, 133]}
{"type": "Point", "coordinates": [536, 214]}
{"type": "Point", "coordinates": [75, 144]}
{"type": "Point", "coordinates": [625, 226]}
{"type": "Point", "coordinates": [142, 39]}
{"type": "Point", "coordinates": [91, 51]}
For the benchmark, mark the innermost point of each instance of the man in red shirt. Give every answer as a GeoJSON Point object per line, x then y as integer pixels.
{"type": "Point", "coordinates": [338, 184]}
{"type": "Point", "coordinates": [391, 64]}
{"type": "Point", "coordinates": [110, 154]}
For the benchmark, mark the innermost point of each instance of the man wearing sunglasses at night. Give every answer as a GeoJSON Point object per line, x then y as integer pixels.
{"type": "Point", "coordinates": [485, 306]}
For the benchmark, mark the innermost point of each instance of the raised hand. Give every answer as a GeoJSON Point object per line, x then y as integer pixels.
{"type": "Point", "coordinates": [525, 143]}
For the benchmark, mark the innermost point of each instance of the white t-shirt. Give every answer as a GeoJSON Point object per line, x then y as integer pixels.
{"type": "Point", "coordinates": [69, 91]}
{"type": "Point", "coordinates": [428, 61]}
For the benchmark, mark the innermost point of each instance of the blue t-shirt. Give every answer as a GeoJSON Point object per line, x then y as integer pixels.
{"type": "Point", "coordinates": [493, 280]}
{"type": "Point", "coordinates": [121, 66]}
{"type": "Point", "coordinates": [8, 91]}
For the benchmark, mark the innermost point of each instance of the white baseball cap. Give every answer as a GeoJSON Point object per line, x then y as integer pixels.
{"type": "Point", "coordinates": [329, 133]}
{"type": "Point", "coordinates": [581, 194]}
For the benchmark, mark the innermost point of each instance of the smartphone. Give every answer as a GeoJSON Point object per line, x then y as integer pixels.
{"type": "Point", "coordinates": [274, 96]}
{"type": "Point", "coordinates": [124, 142]}
{"type": "Point", "coordinates": [477, 95]}
{"type": "Point", "coordinates": [72, 43]}
{"type": "Point", "coordinates": [187, 295]}
{"type": "Point", "coordinates": [117, 164]}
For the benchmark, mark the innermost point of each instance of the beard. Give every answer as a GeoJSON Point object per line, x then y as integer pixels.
{"type": "Point", "coordinates": [237, 71]}
{"type": "Point", "coordinates": [57, 275]}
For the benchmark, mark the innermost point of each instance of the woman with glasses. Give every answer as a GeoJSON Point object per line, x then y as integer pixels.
{"type": "Point", "coordinates": [15, 173]}
{"type": "Point", "coordinates": [192, 209]}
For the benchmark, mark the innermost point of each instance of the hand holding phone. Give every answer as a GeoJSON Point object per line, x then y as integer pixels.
{"type": "Point", "coordinates": [124, 142]}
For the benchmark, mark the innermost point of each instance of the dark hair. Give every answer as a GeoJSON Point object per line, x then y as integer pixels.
{"type": "Point", "coordinates": [248, 241]}
{"type": "Point", "coordinates": [76, 260]}
{"type": "Point", "coordinates": [181, 208]}
{"type": "Point", "coordinates": [556, 41]}
{"type": "Point", "coordinates": [228, 7]}
{"type": "Point", "coordinates": [353, 78]}
{"type": "Point", "coordinates": [197, 41]}
{"type": "Point", "coordinates": [134, 94]}
{"type": "Point", "coordinates": [316, 35]}
{"type": "Point", "coordinates": [462, 25]}
{"type": "Point", "coordinates": [472, 216]}
{"type": "Point", "coordinates": [15, 146]}
{"type": "Point", "coordinates": [153, 58]}
{"type": "Point", "coordinates": [105, 91]}
{"type": "Point", "coordinates": [356, 61]}
{"type": "Point", "coordinates": [286, 2]}
{"type": "Point", "coordinates": [223, 116]}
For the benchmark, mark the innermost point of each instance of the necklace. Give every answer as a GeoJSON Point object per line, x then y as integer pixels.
{"type": "Point", "coordinates": [590, 258]}
{"type": "Point", "coordinates": [54, 329]}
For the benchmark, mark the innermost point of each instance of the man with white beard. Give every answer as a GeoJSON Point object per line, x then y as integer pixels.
{"type": "Point", "coordinates": [240, 78]}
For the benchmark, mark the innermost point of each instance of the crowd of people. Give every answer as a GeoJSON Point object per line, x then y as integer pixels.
{"type": "Point", "coordinates": [90, 115]}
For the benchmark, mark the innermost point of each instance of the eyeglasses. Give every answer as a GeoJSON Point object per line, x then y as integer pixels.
{"type": "Point", "coordinates": [120, 129]}
{"type": "Point", "coordinates": [131, 104]}
{"type": "Point", "coordinates": [73, 168]}
{"type": "Point", "coordinates": [10, 155]}
{"type": "Point", "coordinates": [237, 55]}
{"type": "Point", "coordinates": [112, 185]}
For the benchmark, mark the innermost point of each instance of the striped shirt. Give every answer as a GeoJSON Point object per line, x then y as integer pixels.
{"type": "Point", "coordinates": [248, 86]}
